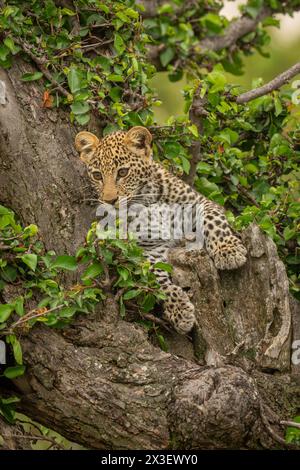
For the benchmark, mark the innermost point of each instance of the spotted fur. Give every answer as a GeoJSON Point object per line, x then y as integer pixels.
{"type": "Point", "coordinates": [121, 168]}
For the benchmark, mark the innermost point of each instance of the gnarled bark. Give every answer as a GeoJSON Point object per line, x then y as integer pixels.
{"type": "Point", "coordinates": [243, 313]}
{"type": "Point", "coordinates": [100, 382]}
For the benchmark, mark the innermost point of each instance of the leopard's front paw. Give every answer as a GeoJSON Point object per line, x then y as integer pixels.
{"type": "Point", "coordinates": [179, 311]}
{"type": "Point", "coordinates": [231, 254]}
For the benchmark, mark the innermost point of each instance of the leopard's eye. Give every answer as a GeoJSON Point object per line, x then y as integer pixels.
{"type": "Point", "coordinates": [96, 175]}
{"type": "Point", "coordinates": [123, 172]}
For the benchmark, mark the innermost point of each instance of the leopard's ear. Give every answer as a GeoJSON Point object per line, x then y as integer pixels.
{"type": "Point", "coordinates": [138, 139]}
{"type": "Point", "coordinates": [86, 144]}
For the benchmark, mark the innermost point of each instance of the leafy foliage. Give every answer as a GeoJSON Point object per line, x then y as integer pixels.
{"type": "Point", "coordinates": [250, 162]}
{"type": "Point", "coordinates": [93, 52]}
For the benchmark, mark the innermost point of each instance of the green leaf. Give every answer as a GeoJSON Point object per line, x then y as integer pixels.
{"type": "Point", "coordinates": [5, 311]}
{"type": "Point", "coordinates": [122, 17]}
{"type": "Point", "coordinates": [30, 231]}
{"type": "Point", "coordinates": [68, 12]}
{"type": "Point", "coordinates": [163, 266]}
{"type": "Point", "coordinates": [166, 8]}
{"type": "Point", "coordinates": [113, 77]}
{"type": "Point", "coordinates": [162, 343]}
{"type": "Point", "coordinates": [5, 211]}
{"type": "Point", "coordinates": [131, 294]}
{"type": "Point", "coordinates": [289, 233]}
{"type": "Point", "coordinates": [166, 56]}
{"type": "Point", "coordinates": [116, 93]}
{"type": "Point", "coordinates": [119, 44]}
{"type": "Point", "coordinates": [82, 119]}
{"type": "Point", "coordinates": [92, 271]}
{"type": "Point", "coordinates": [132, 13]}
{"type": "Point", "coordinates": [218, 79]}
{"type": "Point", "coordinates": [30, 260]}
{"type": "Point", "coordinates": [194, 130]}
{"type": "Point", "coordinates": [103, 7]}
{"type": "Point", "coordinates": [67, 312]}
{"type": "Point", "coordinates": [19, 305]}
{"type": "Point", "coordinates": [185, 165]}
{"type": "Point", "coordinates": [74, 81]}
{"type": "Point", "coordinates": [9, 10]}
{"type": "Point", "coordinates": [234, 180]}
{"type": "Point", "coordinates": [9, 273]}
{"type": "Point", "coordinates": [212, 22]}
{"type": "Point", "coordinates": [17, 350]}
{"type": "Point", "coordinates": [203, 167]}
{"type": "Point", "coordinates": [80, 108]}
{"type": "Point", "coordinates": [13, 372]}
{"type": "Point", "coordinates": [124, 273]}
{"type": "Point", "coordinates": [278, 106]}
{"type": "Point", "coordinates": [253, 7]}
{"type": "Point", "coordinates": [7, 408]}
{"type": "Point", "coordinates": [29, 77]}
{"type": "Point", "coordinates": [148, 302]}
{"type": "Point", "coordinates": [65, 262]}
{"type": "Point", "coordinates": [227, 135]}
{"type": "Point", "coordinates": [4, 51]}
{"type": "Point", "coordinates": [9, 42]}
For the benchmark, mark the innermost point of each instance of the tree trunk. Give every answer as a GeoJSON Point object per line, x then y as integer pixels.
{"type": "Point", "coordinates": [41, 177]}
{"type": "Point", "coordinates": [101, 382]}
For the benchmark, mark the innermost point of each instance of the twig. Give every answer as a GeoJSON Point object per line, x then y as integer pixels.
{"type": "Point", "coordinates": [30, 316]}
{"type": "Point", "coordinates": [156, 320]}
{"type": "Point", "coordinates": [102, 25]}
{"type": "Point", "coordinates": [274, 84]}
{"type": "Point", "coordinates": [5, 247]}
{"type": "Point", "coordinates": [276, 437]}
{"type": "Point", "coordinates": [291, 424]}
{"type": "Point", "coordinates": [4, 239]}
{"type": "Point", "coordinates": [95, 45]}
{"type": "Point", "coordinates": [119, 294]}
{"type": "Point", "coordinates": [243, 191]}
{"type": "Point", "coordinates": [39, 438]}
{"type": "Point", "coordinates": [40, 63]}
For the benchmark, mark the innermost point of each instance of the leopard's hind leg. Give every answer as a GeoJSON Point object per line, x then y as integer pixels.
{"type": "Point", "coordinates": [178, 310]}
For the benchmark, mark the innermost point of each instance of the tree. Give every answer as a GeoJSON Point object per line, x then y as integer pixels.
{"type": "Point", "coordinates": [104, 381]}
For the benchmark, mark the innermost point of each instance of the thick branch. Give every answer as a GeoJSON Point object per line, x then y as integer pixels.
{"type": "Point", "coordinates": [235, 31]}
{"type": "Point", "coordinates": [274, 84]}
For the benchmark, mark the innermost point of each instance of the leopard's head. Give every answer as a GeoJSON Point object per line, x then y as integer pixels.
{"type": "Point", "coordinates": [119, 164]}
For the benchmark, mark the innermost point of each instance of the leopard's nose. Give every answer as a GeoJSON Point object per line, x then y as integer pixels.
{"type": "Point", "coordinates": [111, 201]}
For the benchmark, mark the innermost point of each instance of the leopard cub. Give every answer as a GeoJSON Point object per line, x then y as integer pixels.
{"type": "Point", "coordinates": [122, 170]}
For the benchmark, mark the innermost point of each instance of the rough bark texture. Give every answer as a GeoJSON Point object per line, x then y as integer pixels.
{"type": "Point", "coordinates": [41, 177]}
{"type": "Point", "coordinates": [245, 312]}
{"type": "Point", "coordinates": [101, 382]}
